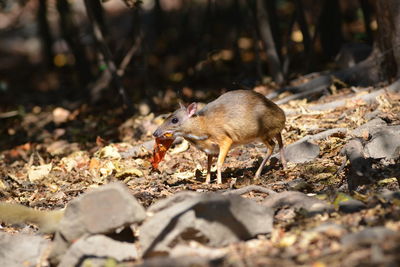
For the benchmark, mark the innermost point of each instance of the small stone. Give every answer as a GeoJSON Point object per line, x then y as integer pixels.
{"type": "Point", "coordinates": [384, 144]}
{"type": "Point", "coordinates": [301, 152]}
{"type": "Point", "coordinates": [351, 205]}
{"type": "Point", "coordinates": [21, 249]}
{"type": "Point", "coordinates": [297, 200]}
{"type": "Point", "coordinates": [98, 246]}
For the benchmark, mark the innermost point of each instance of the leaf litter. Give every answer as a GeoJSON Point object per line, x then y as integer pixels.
{"type": "Point", "coordinates": [80, 156]}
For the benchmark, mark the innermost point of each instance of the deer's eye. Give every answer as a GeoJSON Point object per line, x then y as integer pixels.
{"type": "Point", "coordinates": [174, 120]}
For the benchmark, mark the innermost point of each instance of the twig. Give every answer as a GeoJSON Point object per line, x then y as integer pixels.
{"type": "Point", "coordinates": [248, 189]}
{"type": "Point", "coordinates": [301, 95]}
{"type": "Point", "coordinates": [127, 58]}
{"type": "Point", "coordinates": [9, 114]}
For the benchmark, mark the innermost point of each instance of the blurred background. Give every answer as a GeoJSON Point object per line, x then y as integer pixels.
{"type": "Point", "coordinates": [130, 57]}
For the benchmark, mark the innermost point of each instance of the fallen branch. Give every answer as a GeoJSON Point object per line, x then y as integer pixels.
{"type": "Point", "coordinates": [300, 95]}
{"type": "Point", "coordinates": [321, 135]}
{"type": "Point", "coordinates": [353, 75]}
{"type": "Point", "coordinates": [315, 137]}
{"type": "Point", "coordinates": [368, 98]}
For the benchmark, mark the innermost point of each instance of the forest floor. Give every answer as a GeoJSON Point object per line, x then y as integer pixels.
{"type": "Point", "coordinates": [63, 153]}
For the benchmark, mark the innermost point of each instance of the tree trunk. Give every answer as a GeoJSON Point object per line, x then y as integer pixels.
{"type": "Point", "coordinates": [388, 39]}
{"type": "Point", "coordinates": [330, 29]}
{"type": "Point", "coordinates": [45, 33]}
{"type": "Point", "coordinates": [274, 63]}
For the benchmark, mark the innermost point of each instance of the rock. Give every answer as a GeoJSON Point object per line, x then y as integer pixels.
{"type": "Point", "coordinates": [360, 165]}
{"type": "Point", "coordinates": [351, 205]}
{"type": "Point", "coordinates": [373, 115]}
{"type": "Point", "coordinates": [369, 127]}
{"type": "Point", "coordinates": [297, 200]}
{"type": "Point", "coordinates": [98, 246]}
{"type": "Point", "coordinates": [384, 144]}
{"type": "Point", "coordinates": [298, 184]}
{"type": "Point", "coordinates": [390, 195]}
{"type": "Point", "coordinates": [367, 236]}
{"type": "Point", "coordinates": [21, 249]}
{"type": "Point", "coordinates": [211, 219]}
{"type": "Point", "coordinates": [58, 249]}
{"type": "Point", "coordinates": [301, 152]}
{"type": "Point", "coordinates": [168, 202]}
{"type": "Point", "coordinates": [101, 211]}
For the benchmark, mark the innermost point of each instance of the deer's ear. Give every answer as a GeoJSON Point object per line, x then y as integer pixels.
{"type": "Point", "coordinates": [181, 105]}
{"type": "Point", "coordinates": [191, 109]}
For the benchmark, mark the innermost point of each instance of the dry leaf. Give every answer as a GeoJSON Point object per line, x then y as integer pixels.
{"type": "Point", "coordinates": [110, 152]}
{"type": "Point", "coordinates": [129, 172]}
{"type": "Point", "coordinates": [36, 173]}
{"type": "Point", "coordinates": [160, 148]}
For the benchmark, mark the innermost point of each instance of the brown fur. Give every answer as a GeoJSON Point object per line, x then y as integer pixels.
{"type": "Point", "coordinates": [236, 117]}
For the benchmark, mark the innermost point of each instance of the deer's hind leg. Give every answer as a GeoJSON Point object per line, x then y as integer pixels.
{"type": "Point", "coordinates": [270, 146]}
{"type": "Point", "coordinates": [281, 150]}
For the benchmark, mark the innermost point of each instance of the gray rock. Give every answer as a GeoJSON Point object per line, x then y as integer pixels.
{"type": "Point", "coordinates": [384, 144]}
{"type": "Point", "coordinates": [367, 236]}
{"type": "Point", "coordinates": [98, 246]}
{"type": "Point", "coordinates": [301, 152]}
{"type": "Point", "coordinates": [212, 219]}
{"type": "Point", "coordinates": [58, 249]}
{"type": "Point", "coordinates": [101, 211]}
{"type": "Point", "coordinates": [370, 126]}
{"type": "Point", "coordinates": [168, 202]}
{"type": "Point", "coordinates": [297, 200]}
{"type": "Point", "coordinates": [360, 166]}
{"type": "Point", "coordinates": [372, 115]}
{"type": "Point", "coordinates": [20, 249]}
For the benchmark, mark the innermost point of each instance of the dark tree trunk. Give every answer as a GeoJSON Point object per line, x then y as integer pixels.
{"type": "Point", "coordinates": [330, 30]}
{"type": "Point", "coordinates": [45, 34]}
{"type": "Point", "coordinates": [388, 39]}
{"type": "Point", "coordinates": [366, 8]}
{"type": "Point", "coordinates": [70, 33]}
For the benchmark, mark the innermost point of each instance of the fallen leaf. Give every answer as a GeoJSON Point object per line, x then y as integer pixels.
{"type": "Point", "coordinates": [107, 169]}
{"type": "Point", "coordinates": [94, 164]}
{"type": "Point", "coordinates": [36, 173]}
{"type": "Point", "coordinates": [129, 172]}
{"type": "Point", "coordinates": [110, 152]}
{"type": "Point", "coordinates": [288, 240]}
{"type": "Point", "coordinates": [160, 148]}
